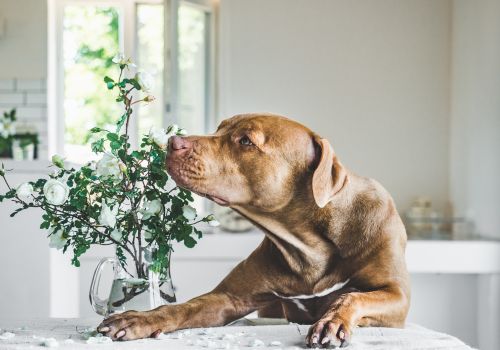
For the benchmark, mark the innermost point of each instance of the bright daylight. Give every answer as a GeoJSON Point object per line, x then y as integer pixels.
{"type": "Point", "coordinates": [250, 174]}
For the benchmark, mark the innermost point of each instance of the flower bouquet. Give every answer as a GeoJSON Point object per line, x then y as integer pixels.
{"type": "Point", "coordinates": [124, 199]}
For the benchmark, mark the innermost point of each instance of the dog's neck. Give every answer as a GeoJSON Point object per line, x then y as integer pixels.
{"type": "Point", "coordinates": [296, 234]}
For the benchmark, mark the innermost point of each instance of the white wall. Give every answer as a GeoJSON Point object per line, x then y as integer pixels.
{"type": "Point", "coordinates": [475, 136]}
{"type": "Point", "coordinates": [371, 76]}
{"type": "Point", "coordinates": [23, 64]}
{"type": "Point", "coordinates": [475, 113]}
{"type": "Point", "coordinates": [23, 48]}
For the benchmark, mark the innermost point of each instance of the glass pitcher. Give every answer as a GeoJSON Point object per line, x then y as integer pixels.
{"type": "Point", "coordinates": [129, 292]}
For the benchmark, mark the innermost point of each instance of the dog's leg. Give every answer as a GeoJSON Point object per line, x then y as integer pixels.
{"type": "Point", "coordinates": [244, 290]}
{"type": "Point", "coordinates": [386, 307]}
{"type": "Point", "coordinates": [274, 310]}
{"type": "Point", "coordinates": [209, 310]}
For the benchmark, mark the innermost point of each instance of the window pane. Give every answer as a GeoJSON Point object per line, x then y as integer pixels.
{"type": "Point", "coordinates": [90, 40]}
{"type": "Point", "coordinates": [193, 55]}
{"type": "Point", "coordinates": [150, 58]}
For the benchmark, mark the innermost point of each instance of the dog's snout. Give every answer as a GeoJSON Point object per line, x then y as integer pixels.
{"type": "Point", "coordinates": [177, 143]}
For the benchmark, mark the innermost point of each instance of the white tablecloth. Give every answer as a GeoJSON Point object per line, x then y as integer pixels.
{"type": "Point", "coordinates": [74, 333]}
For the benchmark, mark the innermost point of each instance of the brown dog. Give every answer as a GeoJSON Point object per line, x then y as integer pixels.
{"type": "Point", "coordinates": [334, 248]}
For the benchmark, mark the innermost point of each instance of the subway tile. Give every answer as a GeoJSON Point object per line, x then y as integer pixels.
{"type": "Point", "coordinates": [7, 84]}
{"type": "Point", "coordinates": [30, 112]}
{"type": "Point", "coordinates": [11, 99]}
{"type": "Point", "coordinates": [30, 85]}
{"type": "Point", "coordinates": [36, 98]}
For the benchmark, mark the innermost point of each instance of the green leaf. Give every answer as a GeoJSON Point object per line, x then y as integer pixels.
{"type": "Point", "coordinates": [120, 122]}
{"type": "Point", "coordinates": [96, 129]}
{"type": "Point", "coordinates": [135, 84]}
{"type": "Point", "coordinates": [115, 145]}
{"type": "Point", "coordinates": [189, 242]}
{"type": "Point", "coordinates": [110, 83]}
{"type": "Point", "coordinates": [98, 146]}
{"type": "Point", "coordinates": [113, 137]}
{"type": "Point", "coordinates": [45, 225]}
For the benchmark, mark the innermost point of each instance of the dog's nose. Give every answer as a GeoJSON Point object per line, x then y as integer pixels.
{"type": "Point", "coordinates": [177, 143]}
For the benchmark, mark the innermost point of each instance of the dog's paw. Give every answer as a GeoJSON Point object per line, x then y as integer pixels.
{"type": "Point", "coordinates": [130, 325]}
{"type": "Point", "coordinates": [329, 332]}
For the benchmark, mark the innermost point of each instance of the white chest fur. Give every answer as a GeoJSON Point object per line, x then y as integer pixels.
{"type": "Point", "coordinates": [327, 291]}
{"type": "Point", "coordinates": [296, 299]}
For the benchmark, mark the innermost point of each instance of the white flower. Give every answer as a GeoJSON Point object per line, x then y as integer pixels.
{"type": "Point", "coordinates": [7, 128]}
{"type": "Point", "coordinates": [158, 136]}
{"type": "Point", "coordinates": [57, 240]}
{"type": "Point", "coordinates": [173, 129]}
{"type": "Point", "coordinates": [145, 80]}
{"type": "Point", "coordinates": [55, 192]}
{"type": "Point", "coordinates": [25, 191]}
{"type": "Point", "coordinates": [108, 166]}
{"type": "Point", "coordinates": [150, 208]}
{"type": "Point", "coordinates": [182, 132]}
{"type": "Point", "coordinates": [3, 132]}
{"type": "Point", "coordinates": [108, 215]}
{"type": "Point", "coordinates": [58, 161]}
{"type": "Point", "coordinates": [213, 223]}
{"type": "Point", "coordinates": [116, 234]}
{"type": "Point", "coordinates": [121, 60]}
{"type": "Point", "coordinates": [189, 212]}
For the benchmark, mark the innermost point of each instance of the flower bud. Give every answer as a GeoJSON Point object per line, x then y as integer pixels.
{"type": "Point", "coordinates": [123, 167]}
{"type": "Point", "coordinates": [58, 161]}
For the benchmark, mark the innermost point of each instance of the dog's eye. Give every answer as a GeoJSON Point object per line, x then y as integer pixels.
{"type": "Point", "coordinates": [245, 141]}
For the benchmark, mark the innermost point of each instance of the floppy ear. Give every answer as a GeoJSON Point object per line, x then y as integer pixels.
{"type": "Point", "coordinates": [329, 176]}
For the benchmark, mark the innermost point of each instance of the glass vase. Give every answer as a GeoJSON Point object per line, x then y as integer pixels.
{"type": "Point", "coordinates": [139, 289]}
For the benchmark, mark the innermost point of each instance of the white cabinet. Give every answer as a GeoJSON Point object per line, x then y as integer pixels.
{"type": "Point", "coordinates": [194, 277]}
{"type": "Point", "coordinates": [24, 253]}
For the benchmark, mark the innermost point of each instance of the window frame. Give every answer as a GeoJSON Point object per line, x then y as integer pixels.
{"type": "Point", "coordinates": [128, 43]}
{"type": "Point", "coordinates": [171, 69]}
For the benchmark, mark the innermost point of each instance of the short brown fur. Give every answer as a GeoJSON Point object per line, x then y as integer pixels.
{"type": "Point", "coordinates": [324, 225]}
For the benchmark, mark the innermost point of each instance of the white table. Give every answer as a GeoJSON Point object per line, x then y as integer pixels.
{"type": "Point", "coordinates": [33, 334]}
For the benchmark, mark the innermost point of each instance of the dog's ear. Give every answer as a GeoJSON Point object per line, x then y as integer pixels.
{"type": "Point", "coordinates": [329, 176]}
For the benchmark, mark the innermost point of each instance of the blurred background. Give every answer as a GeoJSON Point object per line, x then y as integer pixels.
{"type": "Point", "coordinates": [407, 92]}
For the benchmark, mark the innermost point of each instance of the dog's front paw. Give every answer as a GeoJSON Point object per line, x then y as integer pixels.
{"type": "Point", "coordinates": [130, 325]}
{"type": "Point", "coordinates": [329, 331]}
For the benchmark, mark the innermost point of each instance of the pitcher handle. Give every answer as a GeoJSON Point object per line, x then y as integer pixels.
{"type": "Point", "coordinates": [99, 305]}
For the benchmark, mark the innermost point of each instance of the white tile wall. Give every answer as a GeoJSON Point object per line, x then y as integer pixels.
{"type": "Point", "coordinates": [11, 99]}
{"type": "Point", "coordinates": [29, 97]}
{"type": "Point", "coordinates": [31, 84]}
{"type": "Point", "coordinates": [7, 84]}
{"type": "Point", "coordinates": [36, 98]}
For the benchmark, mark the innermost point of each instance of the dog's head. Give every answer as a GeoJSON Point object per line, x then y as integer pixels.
{"type": "Point", "coordinates": [260, 161]}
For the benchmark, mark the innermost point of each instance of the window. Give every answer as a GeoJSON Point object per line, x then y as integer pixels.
{"type": "Point", "coordinates": [194, 67]}
{"type": "Point", "coordinates": [83, 38]}
{"type": "Point", "coordinates": [90, 38]}
{"type": "Point", "coordinates": [150, 57]}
